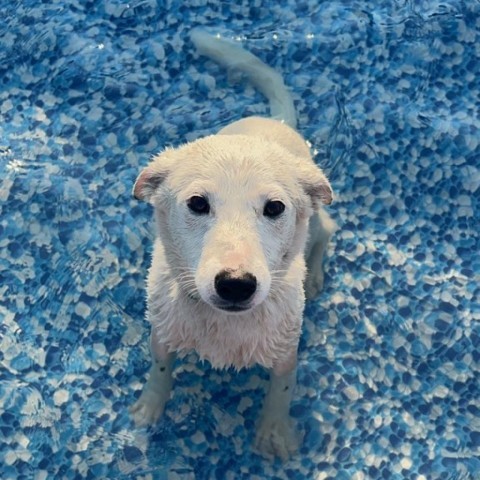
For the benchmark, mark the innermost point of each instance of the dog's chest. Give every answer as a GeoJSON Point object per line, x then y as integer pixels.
{"type": "Point", "coordinates": [238, 341]}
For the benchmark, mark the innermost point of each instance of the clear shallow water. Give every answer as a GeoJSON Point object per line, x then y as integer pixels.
{"type": "Point", "coordinates": [389, 359]}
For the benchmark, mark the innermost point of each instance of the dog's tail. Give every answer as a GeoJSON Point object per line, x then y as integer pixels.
{"type": "Point", "coordinates": [232, 56]}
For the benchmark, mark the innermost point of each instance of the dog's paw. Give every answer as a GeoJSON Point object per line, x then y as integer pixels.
{"type": "Point", "coordinates": [276, 438]}
{"type": "Point", "coordinates": [314, 283]}
{"type": "Point", "coordinates": [148, 409]}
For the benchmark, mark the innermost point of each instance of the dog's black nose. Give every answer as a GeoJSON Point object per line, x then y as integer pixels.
{"type": "Point", "coordinates": [235, 289]}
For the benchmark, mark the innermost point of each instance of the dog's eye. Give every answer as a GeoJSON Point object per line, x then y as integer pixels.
{"type": "Point", "coordinates": [273, 208]}
{"type": "Point", "coordinates": [198, 205]}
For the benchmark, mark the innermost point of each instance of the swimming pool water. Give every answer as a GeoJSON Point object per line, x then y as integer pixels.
{"type": "Point", "coordinates": [388, 93]}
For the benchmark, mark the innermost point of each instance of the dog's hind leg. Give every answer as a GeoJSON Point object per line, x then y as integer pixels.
{"type": "Point", "coordinates": [156, 392]}
{"type": "Point", "coordinates": [321, 228]}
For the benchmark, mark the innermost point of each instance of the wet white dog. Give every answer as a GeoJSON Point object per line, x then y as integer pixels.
{"type": "Point", "coordinates": [228, 271]}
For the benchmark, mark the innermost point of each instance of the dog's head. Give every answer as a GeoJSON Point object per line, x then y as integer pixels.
{"type": "Point", "coordinates": [232, 213]}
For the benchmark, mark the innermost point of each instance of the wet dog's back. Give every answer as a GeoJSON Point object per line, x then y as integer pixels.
{"type": "Point", "coordinates": [272, 130]}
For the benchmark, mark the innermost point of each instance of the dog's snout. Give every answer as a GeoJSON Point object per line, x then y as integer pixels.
{"type": "Point", "coordinates": [235, 289]}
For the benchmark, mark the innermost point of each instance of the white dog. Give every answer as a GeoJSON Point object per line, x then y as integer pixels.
{"type": "Point", "coordinates": [228, 272]}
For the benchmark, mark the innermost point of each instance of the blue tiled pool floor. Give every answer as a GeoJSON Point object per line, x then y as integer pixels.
{"type": "Point", "coordinates": [389, 95]}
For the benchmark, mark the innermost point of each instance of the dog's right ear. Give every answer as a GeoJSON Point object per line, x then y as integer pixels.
{"type": "Point", "coordinates": [152, 177]}
{"type": "Point", "coordinates": [147, 182]}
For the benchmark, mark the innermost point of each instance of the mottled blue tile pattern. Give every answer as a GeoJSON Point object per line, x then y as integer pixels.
{"type": "Point", "coordinates": [388, 93]}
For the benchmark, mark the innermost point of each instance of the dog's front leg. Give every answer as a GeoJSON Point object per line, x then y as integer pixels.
{"type": "Point", "coordinates": [276, 434]}
{"type": "Point", "coordinates": [156, 392]}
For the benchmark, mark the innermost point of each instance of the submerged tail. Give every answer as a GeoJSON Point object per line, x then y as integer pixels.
{"type": "Point", "coordinates": [231, 56]}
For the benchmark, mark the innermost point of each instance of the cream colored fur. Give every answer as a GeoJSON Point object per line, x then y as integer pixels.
{"type": "Point", "coordinates": [240, 169]}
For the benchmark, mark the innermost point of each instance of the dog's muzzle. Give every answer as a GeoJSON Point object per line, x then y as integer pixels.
{"type": "Point", "coordinates": [234, 291]}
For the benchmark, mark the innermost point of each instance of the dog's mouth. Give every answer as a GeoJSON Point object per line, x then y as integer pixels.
{"type": "Point", "coordinates": [222, 306]}
{"type": "Point", "coordinates": [235, 308]}
{"type": "Point", "coordinates": [232, 307]}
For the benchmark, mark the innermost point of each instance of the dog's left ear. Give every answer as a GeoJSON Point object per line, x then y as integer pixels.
{"type": "Point", "coordinates": [316, 185]}
{"type": "Point", "coordinates": [151, 178]}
